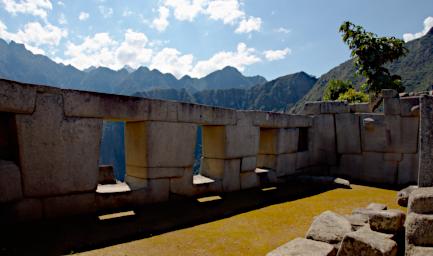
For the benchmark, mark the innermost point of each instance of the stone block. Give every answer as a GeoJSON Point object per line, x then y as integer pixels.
{"type": "Point", "coordinates": [359, 108]}
{"type": "Point", "coordinates": [323, 140]}
{"type": "Point", "coordinates": [98, 105]}
{"type": "Point", "coordinates": [387, 221]}
{"type": "Point", "coordinates": [376, 170]}
{"type": "Point", "coordinates": [351, 165]}
{"type": "Point", "coordinates": [419, 229]}
{"type": "Point", "coordinates": [311, 108]}
{"type": "Point", "coordinates": [303, 160]}
{"type": "Point", "coordinates": [162, 110]}
{"type": "Point", "coordinates": [267, 161]}
{"type": "Point", "coordinates": [185, 186]}
{"type": "Point", "coordinates": [304, 247]}
{"type": "Point", "coordinates": [206, 115]}
{"type": "Point", "coordinates": [280, 120]}
{"type": "Point", "coordinates": [248, 163]}
{"type": "Point", "coordinates": [58, 155]}
{"type": "Point", "coordinates": [396, 157]}
{"type": "Point", "coordinates": [348, 134]}
{"type": "Point", "coordinates": [160, 144]}
{"type": "Point", "coordinates": [154, 172]}
{"type": "Point", "coordinates": [391, 106]}
{"type": "Point", "coordinates": [22, 210]}
{"type": "Point", "coordinates": [227, 142]}
{"type": "Point", "coordinates": [425, 178]}
{"type": "Point", "coordinates": [69, 205]}
{"type": "Point", "coordinates": [329, 227]}
{"type": "Point", "coordinates": [227, 171]}
{"type": "Point", "coordinates": [10, 182]}
{"type": "Point", "coordinates": [377, 206]}
{"type": "Point", "coordinates": [368, 242]}
{"type": "Point", "coordinates": [249, 180]}
{"type": "Point", "coordinates": [268, 142]}
{"type": "Point", "coordinates": [287, 140]}
{"type": "Point", "coordinates": [408, 169]}
{"type": "Point", "coordinates": [421, 200]}
{"type": "Point", "coordinates": [419, 251]}
{"type": "Point", "coordinates": [334, 107]}
{"type": "Point", "coordinates": [407, 104]}
{"type": "Point", "coordinates": [17, 97]}
{"type": "Point", "coordinates": [106, 175]}
{"type": "Point", "coordinates": [285, 164]}
{"type": "Point", "coordinates": [373, 133]}
{"type": "Point", "coordinates": [403, 195]}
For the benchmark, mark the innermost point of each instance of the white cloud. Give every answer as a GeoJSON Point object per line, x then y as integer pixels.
{"type": "Point", "coordinates": [132, 51]}
{"type": "Point", "coordinates": [106, 12]}
{"type": "Point", "coordinates": [249, 25]}
{"type": "Point", "coordinates": [282, 30]}
{"type": "Point", "coordinates": [428, 24]}
{"type": "Point", "coordinates": [60, 3]}
{"type": "Point", "coordinates": [243, 57]}
{"type": "Point", "coordinates": [83, 16]}
{"type": "Point", "coordinates": [33, 7]}
{"type": "Point", "coordinates": [186, 9]}
{"type": "Point", "coordinates": [272, 55]}
{"type": "Point", "coordinates": [127, 12]}
{"type": "Point", "coordinates": [161, 22]}
{"type": "Point", "coordinates": [170, 60]}
{"type": "Point", "coordinates": [226, 10]}
{"type": "Point", "coordinates": [62, 19]}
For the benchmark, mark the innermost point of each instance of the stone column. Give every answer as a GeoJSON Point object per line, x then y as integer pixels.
{"type": "Point", "coordinates": [425, 175]}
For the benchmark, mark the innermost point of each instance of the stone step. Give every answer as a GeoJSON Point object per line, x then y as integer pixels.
{"type": "Point", "coordinates": [261, 171]}
{"type": "Point", "coordinates": [201, 180]}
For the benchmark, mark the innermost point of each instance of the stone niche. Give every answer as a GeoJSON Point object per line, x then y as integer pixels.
{"type": "Point", "coordinates": [159, 149]}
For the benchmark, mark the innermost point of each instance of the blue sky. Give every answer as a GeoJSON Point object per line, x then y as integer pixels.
{"type": "Point", "coordinates": [195, 37]}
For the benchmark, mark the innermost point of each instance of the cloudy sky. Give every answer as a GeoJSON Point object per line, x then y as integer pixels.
{"type": "Point", "coordinates": [195, 37]}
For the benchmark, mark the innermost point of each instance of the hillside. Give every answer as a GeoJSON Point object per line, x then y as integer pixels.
{"type": "Point", "coordinates": [276, 95]}
{"type": "Point", "coordinates": [416, 70]}
{"type": "Point", "coordinates": [17, 63]}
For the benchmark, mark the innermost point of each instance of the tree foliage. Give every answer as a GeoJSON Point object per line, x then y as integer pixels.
{"type": "Point", "coordinates": [371, 53]}
{"type": "Point", "coordinates": [354, 96]}
{"type": "Point", "coordinates": [336, 87]}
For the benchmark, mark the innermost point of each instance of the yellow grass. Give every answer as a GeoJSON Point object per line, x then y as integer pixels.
{"type": "Point", "coordinates": [256, 232]}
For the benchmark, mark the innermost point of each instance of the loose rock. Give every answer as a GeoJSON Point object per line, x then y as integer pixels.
{"type": "Point", "coordinates": [403, 195]}
{"type": "Point", "coordinates": [421, 200]}
{"type": "Point", "coordinates": [329, 227]}
{"type": "Point", "coordinates": [390, 221]}
{"type": "Point", "coordinates": [304, 247]}
{"type": "Point", "coordinates": [376, 206]}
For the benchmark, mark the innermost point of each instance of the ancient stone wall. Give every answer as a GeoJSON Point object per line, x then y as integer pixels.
{"type": "Point", "coordinates": [50, 142]}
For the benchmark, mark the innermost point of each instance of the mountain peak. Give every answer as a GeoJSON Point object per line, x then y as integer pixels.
{"type": "Point", "coordinates": [231, 69]}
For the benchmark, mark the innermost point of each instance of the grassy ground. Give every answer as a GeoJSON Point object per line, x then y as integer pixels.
{"type": "Point", "coordinates": [255, 232]}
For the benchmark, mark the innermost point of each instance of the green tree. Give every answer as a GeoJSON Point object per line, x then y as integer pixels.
{"type": "Point", "coordinates": [354, 96]}
{"type": "Point", "coordinates": [336, 87]}
{"type": "Point", "coordinates": [371, 53]}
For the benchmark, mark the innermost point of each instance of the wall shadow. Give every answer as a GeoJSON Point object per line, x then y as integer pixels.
{"type": "Point", "coordinates": [75, 234]}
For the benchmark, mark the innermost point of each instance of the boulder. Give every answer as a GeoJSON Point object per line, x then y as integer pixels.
{"type": "Point", "coordinates": [421, 200]}
{"type": "Point", "coordinates": [367, 242]}
{"type": "Point", "coordinates": [376, 206]}
{"type": "Point", "coordinates": [304, 247]}
{"type": "Point", "coordinates": [419, 229]}
{"type": "Point", "coordinates": [403, 195]}
{"type": "Point", "coordinates": [357, 220]}
{"type": "Point", "coordinates": [387, 221]}
{"type": "Point", "coordinates": [329, 227]}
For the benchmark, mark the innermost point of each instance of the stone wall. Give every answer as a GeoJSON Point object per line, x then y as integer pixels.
{"type": "Point", "coordinates": [50, 142]}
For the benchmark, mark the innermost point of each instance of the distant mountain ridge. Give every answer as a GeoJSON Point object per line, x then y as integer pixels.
{"type": "Point", "coordinates": [17, 63]}
{"type": "Point", "coordinates": [415, 69]}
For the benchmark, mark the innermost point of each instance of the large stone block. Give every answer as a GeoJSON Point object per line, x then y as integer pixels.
{"type": "Point", "coordinates": [373, 132]}
{"type": "Point", "coordinates": [154, 172]}
{"type": "Point", "coordinates": [228, 171]}
{"type": "Point", "coordinates": [206, 115]}
{"type": "Point", "coordinates": [419, 251]}
{"type": "Point", "coordinates": [323, 140]}
{"type": "Point", "coordinates": [248, 163]}
{"type": "Point", "coordinates": [377, 170]}
{"type": "Point", "coordinates": [90, 104]}
{"type": "Point", "coordinates": [425, 177]}
{"type": "Point", "coordinates": [334, 107]}
{"type": "Point", "coordinates": [227, 142]}
{"type": "Point", "coordinates": [408, 169]}
{"type": "Point", "coordinates": [22, 210]}
{"type": "Point", "coordinates": [360, 108]}
{"type": "Point", "coordinates": [421, 200]}
{"type": "Point", "coordinates": [287, 140]}
{"type": "Point", "coordinates": [268, 141]}
{"type": "Point", "coordinates": [285, 164]}
{"type": "Point", "coordinates": [311, 108]}
{"type": "Point", "coordinates": [351, 165]}
{"type": "Point", "coordinates": [368, 242]}
{"type": "Point", "coordinates": [279, 120]}
{"type": "Point", "coordinates": [303, 160]}
{"type": "Point", "coordinates": [387, 221]}
{"type": "Point", "coordinates": [348, 134]}
{"type": "Point", "coordinates": [419, 229]}
{"type": "Point", "coordinates": [304, 247]}
{"type": "Point", "coordinates": [409, 135]}
{"type": "Point", "coordinates": [329, 227]}
{"type": "Point", "coordinates": [249, 180]}
{"type": "Point", "coordinates": [267, 161]}
{"type": "Point", "coordinates": [58, 155]}
{"type": "Point", "coordinates": [391, 106]}
{"type": "Point", "coordinates": [10, 182]}
{"type": "Point", "coordinates": [17, 97]}
{"type": "Point", "coordinates": [68, 205]}
{"type": "Point", "coordinates": [184, 185]}
{"type": "Point", "coordinates": [159, 144]}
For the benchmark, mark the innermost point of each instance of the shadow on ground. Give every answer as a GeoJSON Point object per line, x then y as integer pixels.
{"type": "Point", "coordinates": [70, 235]}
